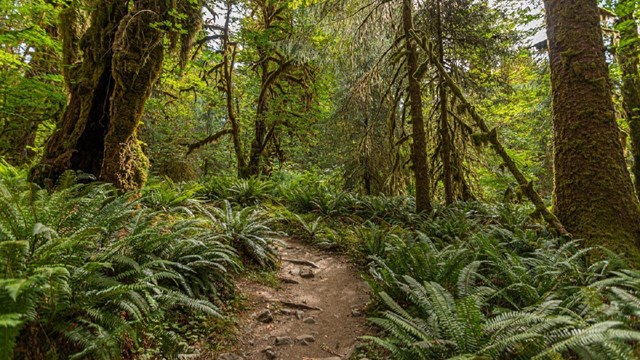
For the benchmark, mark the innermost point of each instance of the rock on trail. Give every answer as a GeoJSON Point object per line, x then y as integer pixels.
{"type": "Point", "coordinates": [314, 314]}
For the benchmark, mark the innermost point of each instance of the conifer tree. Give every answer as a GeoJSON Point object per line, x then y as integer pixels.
{"type": "Point", "coordinates": [593, 196]}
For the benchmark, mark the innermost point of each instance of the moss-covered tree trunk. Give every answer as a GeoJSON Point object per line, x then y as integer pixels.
{"type": "Point", "coordinates": [109, 70]}
{"type": "Point", "coordinates": [259, 142]}
{"type": "Point", "coordinates": [137, 62]}
{"type": "Point", "coordinates": [446, 145]}
{"type": "Point", "coordinates": [419, 146]}
{"type": "Point", "coordinates": [229, 52]}
{"type": "Point", "coordinates": [593, 194]}
{"type": "Point", "coordinates": [629, 65]}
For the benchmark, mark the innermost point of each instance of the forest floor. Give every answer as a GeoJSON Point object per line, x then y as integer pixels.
{"type": "Point", "coordinates": [315, 311]}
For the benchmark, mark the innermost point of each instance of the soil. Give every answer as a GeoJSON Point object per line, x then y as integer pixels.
{"type": "Point", "coordinates": [316, 312]}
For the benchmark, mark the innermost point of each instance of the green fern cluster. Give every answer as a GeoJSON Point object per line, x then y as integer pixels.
{"type": "Point", "coordinates": [378, 240]}
{"type": "Point", "coordinates": [87, 272]}
{"type": "Point", "coordinates": [310, 198]}
{"type": "Point", "coordinates": [165, 194]}
{"type": "Point", "coordinates": [250, 192]}
{"type": "Point", "coordinates": [483, 282]}
{"type": "Point", "coordinates": [243, 192]}
{"type": "Point", "coordinates": [309, 193]}
{"type": "Point", "coordinates": [325, 200]}
{"type": "Point", "coordinates": [216, 187]}
{"type": "Point", "coordinates": [248, 231]}
{"type": "Point", "coordinates": [440, 325]}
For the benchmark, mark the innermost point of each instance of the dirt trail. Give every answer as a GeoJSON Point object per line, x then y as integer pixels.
{"type": "Point", "coordinates": [315, 313]}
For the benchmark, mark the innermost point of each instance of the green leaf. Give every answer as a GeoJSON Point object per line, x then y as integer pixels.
{"type": "Point", "coordinates": [14, 286]}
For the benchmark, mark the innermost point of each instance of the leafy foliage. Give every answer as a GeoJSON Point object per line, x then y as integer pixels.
{"type": "Point", "coordinates": [165, 194]}
{"type": "Point", "coordinates": [447, 326]}
{"type": "Point", "coordinates": [248, 192]}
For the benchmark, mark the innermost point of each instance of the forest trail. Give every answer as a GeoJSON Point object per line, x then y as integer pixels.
{"type": "Point", "coordinates": [316, 312]}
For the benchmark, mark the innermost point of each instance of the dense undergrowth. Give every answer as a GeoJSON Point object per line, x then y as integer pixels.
{"type": "Point", "coordinates": [90, 273]}
{"type": "Point", "coordinates": [480, 282]}
{"type": "Point", "coordinates": [87, 272]}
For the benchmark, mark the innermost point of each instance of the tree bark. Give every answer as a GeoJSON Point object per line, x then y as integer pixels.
{"type": "Point", "coordinates": [267, 79]}
{"type": "Point", "coordinates": [208, 140]}
{"type": "Point", "coordinates": [272, 66]}
{"type": "Point", "coordinates": [593, 194]}
{"type": "Point", "coordinates": [419, 146]}
{"type": "Point", "coordinates": [258, 144]}
{"type": "Point", "coordinates": [629, 64]}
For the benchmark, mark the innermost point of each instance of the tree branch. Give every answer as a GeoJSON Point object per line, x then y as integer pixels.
{"type": "Point", "coordinates": [209, 139]}
{"type": "Point", "coordinates": [491, 134]}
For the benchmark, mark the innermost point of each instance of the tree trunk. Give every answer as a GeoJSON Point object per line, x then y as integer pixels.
{"type": "Point", "coordinates": [78, 142]}
{"type": "Point", "coordinates": [419, 146]}
{"type": "Point", "coordinates": [491, 136]}
{"type": "Point", "coordinates": [267, 79]}
{"type": "Point", "coordinates": [229, 51]}
{"type": "Point", "coordinates": [122, 55]}
{"type": "Point", "coordinates": [136, 65]}
{"type": "Point", "coordinates": [254, 166]}
{"type": "Point", "coordinates": [628, 60]}
{"type": "Point", "coordinates": [445, 135]}
{"type": "Point", "coordinates": [593, 194]}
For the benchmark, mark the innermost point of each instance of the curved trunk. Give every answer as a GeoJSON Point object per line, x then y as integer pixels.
{"type": "Point", "coordinates": [593, 194]}
{"type": "Point", "coordinates": [254, 165]}
{"type": "Point", "coordinates": [267, 80]}
{"type": "Point", "coordinates": [137, 63]}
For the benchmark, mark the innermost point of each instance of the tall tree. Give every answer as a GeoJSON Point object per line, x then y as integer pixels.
{"type": "Point", "coordinates": [110, 68]}
{"type": "Point", "coordinates": [419, 146]}
{"type": "Point", "coordinates": [282, 73]}
{"type": "Point", "coordinates": [466, 43]}
{"type": "Point", "coordinates": [470, 39]}
{"type": "Point", "coordinates": [593, 194]}
{"type": "Point", "coordinates": [446, 144]}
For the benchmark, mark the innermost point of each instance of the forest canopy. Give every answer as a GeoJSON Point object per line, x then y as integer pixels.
{"type": "Point", "coordinates": [479, 162]}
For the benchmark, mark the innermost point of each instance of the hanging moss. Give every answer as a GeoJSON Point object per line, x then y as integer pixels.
{"type": "Point", "coordinates": [482, 139]}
